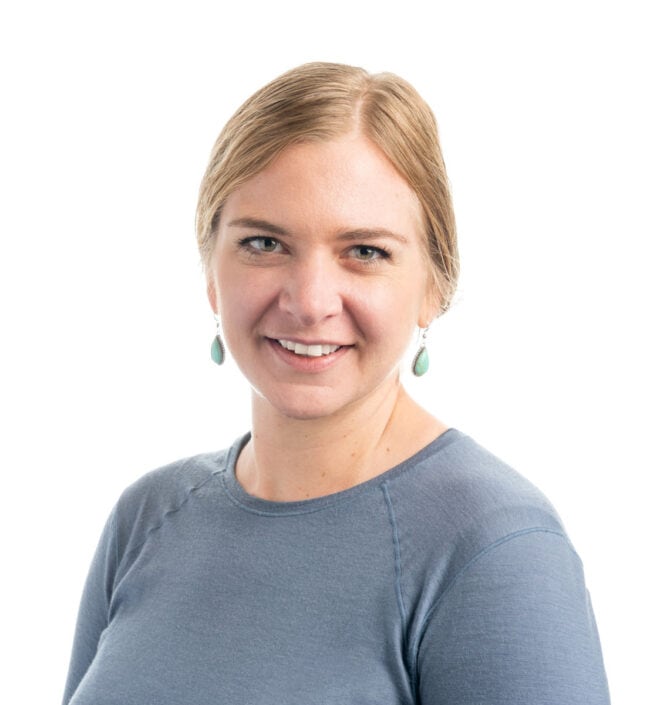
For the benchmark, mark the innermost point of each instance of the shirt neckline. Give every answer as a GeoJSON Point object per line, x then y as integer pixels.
{"type": "Point", "coordinates": [258, 505]}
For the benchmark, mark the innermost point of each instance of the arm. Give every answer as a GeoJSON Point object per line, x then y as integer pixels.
{"type": "Point", "coordinates": [515, 628]}
{"type": "Point", "coordinates": [94, 609]}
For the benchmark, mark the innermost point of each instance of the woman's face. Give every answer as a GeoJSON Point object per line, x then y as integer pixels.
{"type": "Point", "coordinates": [320, 277]}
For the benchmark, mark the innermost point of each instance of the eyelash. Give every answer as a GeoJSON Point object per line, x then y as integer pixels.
{"type": "Point", "coordinates": [382, 253]}
{"type": "Point", "coordinates": [248, 243]}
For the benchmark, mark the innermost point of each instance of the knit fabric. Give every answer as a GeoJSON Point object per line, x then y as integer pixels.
{"type": "Point", "coordinates": [447, 579]}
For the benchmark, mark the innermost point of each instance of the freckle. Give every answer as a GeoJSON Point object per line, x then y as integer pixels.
{"type": "Point", "coordinates": [353, 454]}
{"type": "Point", "coordinates": [323, 474]}
{"type": "Point", "coordinates": [387, 450]}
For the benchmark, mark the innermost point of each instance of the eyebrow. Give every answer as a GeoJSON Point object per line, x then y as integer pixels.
{"type": "Point", "coordinates": [359, 234]}
{"type": "Point", "coordinates": [364, 234]}
{"type": "Point", "coordinates": [257, 224]}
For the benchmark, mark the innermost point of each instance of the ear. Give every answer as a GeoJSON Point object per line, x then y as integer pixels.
{"type": "Point", "coordinates": [212, 293]}
{"type": "Point", "coordinates": [431, 306]}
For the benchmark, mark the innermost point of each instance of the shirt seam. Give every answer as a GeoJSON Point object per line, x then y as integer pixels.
{"type": "Point", "coordinates": [398, 570]}
{"type": "Point", "coordinates": [165, 516]}
{"type": "Point", "coordinates": [397, 555]}
{"type": "Point", "coordinates": [480, 554]}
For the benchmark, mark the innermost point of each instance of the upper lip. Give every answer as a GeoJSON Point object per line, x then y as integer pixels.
{"type": "Point", "coordinates": [301, 341]}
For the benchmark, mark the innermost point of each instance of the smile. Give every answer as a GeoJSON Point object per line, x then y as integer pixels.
{"type": "Point", "coordinates": [308, 350]}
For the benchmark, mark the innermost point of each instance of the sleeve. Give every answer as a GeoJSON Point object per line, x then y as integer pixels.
{"type": "Point", "coordinates": [514, 627]}
{"type": "Point", "coordinates": [94, 607]}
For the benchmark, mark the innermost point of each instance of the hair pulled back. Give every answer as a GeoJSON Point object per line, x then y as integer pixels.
{"type": "Point", "coordinates": [322, 101]}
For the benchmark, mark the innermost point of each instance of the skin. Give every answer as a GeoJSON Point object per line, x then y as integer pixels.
{"type": "Point", "coordinates": [324, 247]}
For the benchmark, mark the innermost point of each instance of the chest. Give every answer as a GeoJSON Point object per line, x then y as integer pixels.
{"type": "Point", "coordinates": [276, 612]}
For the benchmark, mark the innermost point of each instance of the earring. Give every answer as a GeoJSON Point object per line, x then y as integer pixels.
{"type": "Point", "coordinates": [420, 363]}
{"type": "Point", "coordinates": [217, 347]}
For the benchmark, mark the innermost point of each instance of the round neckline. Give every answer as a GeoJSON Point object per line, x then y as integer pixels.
{"type": "Point", "coordinates": [257, 505]}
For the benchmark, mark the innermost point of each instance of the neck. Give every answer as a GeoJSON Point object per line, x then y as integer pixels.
{"type": "Point", "coordinates": [290, 459]}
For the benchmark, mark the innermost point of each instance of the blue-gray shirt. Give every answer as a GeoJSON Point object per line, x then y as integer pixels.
{"type": "Point", "coordinates": [447, 579]}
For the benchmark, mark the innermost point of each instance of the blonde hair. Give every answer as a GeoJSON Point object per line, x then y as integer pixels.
{"type": "Point", "coordinates": [322, 101]}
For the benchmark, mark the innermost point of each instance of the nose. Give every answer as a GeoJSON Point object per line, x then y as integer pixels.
{"type": "Point", "coordinates": [311, 291]}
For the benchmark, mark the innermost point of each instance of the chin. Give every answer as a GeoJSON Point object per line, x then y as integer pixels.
{"type": "Point", "coordinates": [304, 404]}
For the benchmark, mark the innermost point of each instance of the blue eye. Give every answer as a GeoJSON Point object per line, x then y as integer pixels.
{"type": "Point", "coordinates": [366, 253]}
{"type": "Point", "coordinates": [261, 243]}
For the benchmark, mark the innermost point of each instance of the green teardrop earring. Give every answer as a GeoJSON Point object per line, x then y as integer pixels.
{"type": "Point", "coordinates": [217, 347]}
{"type": "Point", "coordinates": [420, 364]}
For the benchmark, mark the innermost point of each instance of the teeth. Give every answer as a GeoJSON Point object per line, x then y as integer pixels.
{"type": "Point", "coordinates": [308, 350]}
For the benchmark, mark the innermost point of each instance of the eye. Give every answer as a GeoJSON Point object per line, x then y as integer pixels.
{"type": "Point", "coordinates": [261, 243]}
{"type": "Point", "coordinates": [367, 253]}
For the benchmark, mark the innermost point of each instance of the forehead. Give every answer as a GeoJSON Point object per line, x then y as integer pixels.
{"type": "Point", "coordinates": [343, 182]}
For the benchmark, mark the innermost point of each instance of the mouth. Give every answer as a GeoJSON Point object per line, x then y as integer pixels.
{"type": "Point", "coordinates": [314, 350]}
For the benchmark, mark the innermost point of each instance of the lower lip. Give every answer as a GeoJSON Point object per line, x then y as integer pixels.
{"type": "Point", "coordinates": [305, 363]}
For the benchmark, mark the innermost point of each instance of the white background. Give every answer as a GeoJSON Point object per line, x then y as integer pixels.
{"type": "Point", "coordinates": [549, 120]}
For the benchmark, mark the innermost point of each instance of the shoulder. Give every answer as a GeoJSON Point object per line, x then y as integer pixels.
{"type": "Point", "coordinates": [494, 591]}
{"type": "Point", "coordinates": [144, 505]}
{"type": "Point", "coordinates": [456, 500]}
{"type": "Point", "coordinates": [460, 482]}
{"type": "Point", "coordinates": [168, 486]}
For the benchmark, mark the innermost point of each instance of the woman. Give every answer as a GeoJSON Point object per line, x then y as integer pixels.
{"type": "Point", "coordinates": [352, 548]}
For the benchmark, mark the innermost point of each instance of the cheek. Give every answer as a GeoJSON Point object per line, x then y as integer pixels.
{"type": "Point", "coordinates": [240, 303]}
{"type": "Point", "coordinates": [242, 300]}
{"type": "Point", "coordinates": [388, 311]}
